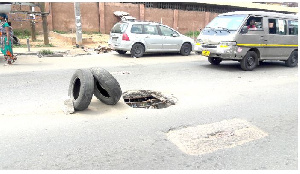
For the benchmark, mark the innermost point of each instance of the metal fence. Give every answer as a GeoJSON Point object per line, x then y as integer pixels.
{"type": "Point", "coordinates": [196, 7]}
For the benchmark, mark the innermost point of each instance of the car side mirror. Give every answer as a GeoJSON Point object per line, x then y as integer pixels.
{"type": "Point", "coordinates": [244, 30]}
{"type": "Point", "coordinates": [175, 35]}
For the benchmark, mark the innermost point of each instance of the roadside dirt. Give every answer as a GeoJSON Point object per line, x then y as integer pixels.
{"type": "Point", "coordinates": [98, 40]}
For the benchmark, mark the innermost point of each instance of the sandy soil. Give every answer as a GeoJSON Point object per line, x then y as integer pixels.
{"type": "Point", "coordinates": [98, 39]}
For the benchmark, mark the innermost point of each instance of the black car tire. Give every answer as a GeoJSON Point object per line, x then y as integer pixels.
{"type": "Point", "coordinates": [186, 49]}
{"type": "Point", "coordinates": [16, 40]}
{"type": "Point", "coordinates": [292, 61]}
{"type": "Point", "coordinates": [106, 87]}
{"type": "Point", "coordinates": [137, 50]}
{"type": "Point", "coordinates": [81, 89]}
{"type": "Point", "coordinates": [214, 60]}
{"type": "Point", "coordinates": [249, 61]}
{"type": "Point", "coordinates": [121, 51]}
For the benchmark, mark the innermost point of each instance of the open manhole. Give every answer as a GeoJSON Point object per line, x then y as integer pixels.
{"type": "Point", "coordinates": [147, 99]}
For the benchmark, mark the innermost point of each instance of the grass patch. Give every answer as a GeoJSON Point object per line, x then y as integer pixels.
{"type": "Point", "coordinates": [37, 40]}
{"type": "Point", "coordinates": [91, 32]}
{"type": "Point", "coordinates": [20, 46]}
{"type": "Point", "coordinates": [43, 45]}
{"type": "Point", "coordinates": [45, 52]}
{"type": "Point", "coordinates": [60, 32]}
{"type": "Point", "coordinates": [22, 34]}
{"type": "Point", "coordinates": [192, 33]}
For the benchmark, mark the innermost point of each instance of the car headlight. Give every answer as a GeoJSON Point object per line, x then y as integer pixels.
{"type": "Point", "coordinates": [227, 44]}
{"type": "Point", "coordinates": [199, 42]}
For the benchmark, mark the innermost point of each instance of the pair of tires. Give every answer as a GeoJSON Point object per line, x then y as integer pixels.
{"type": "Point", "coordinates": [95, 81]}
{"type": "Point", "coordinates": [250, 60]}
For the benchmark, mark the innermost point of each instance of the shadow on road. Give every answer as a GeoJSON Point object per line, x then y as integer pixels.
{"type": "Point", "coordinates": [235, 66]}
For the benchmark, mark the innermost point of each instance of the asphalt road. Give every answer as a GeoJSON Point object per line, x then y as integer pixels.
{"type": "Point", "coordinates": [36, 134]}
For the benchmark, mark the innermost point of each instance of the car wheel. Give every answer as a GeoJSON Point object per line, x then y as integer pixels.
{"type": "Point", "coordinates": [107, 88]}
{"type": "Point", "coordinates": [81, 89]}
{"type": "Point", "coordinates": [292, 61]}
{"type": "Point", "coordinates": [249, 61]}
{"type": "Point", "coordinates": [186, 49]}
{"type": "Point", "coordinates": [137, 50]}
{"type": "Point", "coordinates": [121, 51]}
{"type": "Point", "coordinates": [214, 60]}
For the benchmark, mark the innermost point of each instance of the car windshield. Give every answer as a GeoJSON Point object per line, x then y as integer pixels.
{"type": "Point", "coordinates": [226, 22]}
{"type": "Point", "coordinates": [119, 27]}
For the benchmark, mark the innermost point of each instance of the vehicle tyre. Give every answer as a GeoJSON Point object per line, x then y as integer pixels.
{"type": "Point", "coordinates": [81, 89]}
{"type": "Point", "coordinates": [16, 40]}
{"type": "Point", "coordinates": [137, 50]}
{"type": "Point", "coordinates": [214, 60]}
{"type": "Point", "coordinates": [186, 49]}
{"type": "Point", "coordinates": [292, 61]}
{"type": "Point", "coordinates": [106, 87]}
{"type": "Point", "coordinates": [121, 51]}
{"type": "Point", "coordinates": [249, 61]}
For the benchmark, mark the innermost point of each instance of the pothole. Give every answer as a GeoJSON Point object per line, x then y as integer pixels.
{"type": "Point", "coordinates": [147, 99]}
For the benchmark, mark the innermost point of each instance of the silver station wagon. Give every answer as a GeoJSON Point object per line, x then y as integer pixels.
{"type": "Point", "coordinates": [250, 37]}
{"type": "Point", "coordinates": [143, 37]}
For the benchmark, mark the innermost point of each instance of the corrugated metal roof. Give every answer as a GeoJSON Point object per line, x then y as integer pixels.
{"type": "Point", "coordinates": [256, 6]}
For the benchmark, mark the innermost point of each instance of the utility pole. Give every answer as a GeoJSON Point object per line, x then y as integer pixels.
{"type": "Point", "coordinates": [45, 24]}
{"type": "Point", "coordinates": [78, 24]}
{"type": "Point", "coordinates": [33, 32]}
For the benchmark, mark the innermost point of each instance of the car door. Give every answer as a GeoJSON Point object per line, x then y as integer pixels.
{"type": "Point", "coordinates": [153, 41]}
{"type": "Point", "coordinates": [255, 37]}
{"type": "Point", "coordinates": [278, 39]}
{"type": "Point", "coordinates": [171, 39]}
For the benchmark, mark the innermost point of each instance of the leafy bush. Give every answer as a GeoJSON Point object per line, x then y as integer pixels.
{"type": "Point", "coordinates": [20, 46]}
{"type": "Point", "coordinates": [190, 33]}
{"type": "Point", "coordinates": [22, 34]}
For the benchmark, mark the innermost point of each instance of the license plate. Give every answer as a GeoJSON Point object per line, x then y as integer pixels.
{"type": "Point", "coordinates": [205, 53]}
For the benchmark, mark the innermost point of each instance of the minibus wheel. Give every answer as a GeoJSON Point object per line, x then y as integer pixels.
{"type": "Point", "coordinates": [214, 60]}
{"type": "Point", "coordinates": [292, 61]}
{"type": "Point", "coordinates": [249, 61]}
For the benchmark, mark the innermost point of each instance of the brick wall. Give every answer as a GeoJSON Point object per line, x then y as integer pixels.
{"type": "Point", "coordinates": [99, 17]}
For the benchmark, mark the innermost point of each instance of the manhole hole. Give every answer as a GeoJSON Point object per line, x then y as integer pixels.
{"type": "Point", "coordinates": [147, 99]}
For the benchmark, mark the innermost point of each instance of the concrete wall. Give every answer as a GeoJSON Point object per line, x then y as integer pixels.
{"type": "Point", "coordinates": [99, 16]}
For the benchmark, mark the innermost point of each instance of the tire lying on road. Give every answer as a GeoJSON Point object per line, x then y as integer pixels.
{"type": "Point", "coordinates": [106, 87]}
{"type": "Point", "coordinates": [81, 89]}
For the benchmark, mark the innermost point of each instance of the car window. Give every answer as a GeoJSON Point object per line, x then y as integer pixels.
{"type": "Point", "coordinates": [150, 29]}
{"type": "Point", "coordinates": [277, 26]}
{"type": "Point", "coordinates": [167, 31]}
{"type": "Point", "coordinates": [254, 23]}
{"type": "Point", "coordinates": [137, 29]}
{"type": "Point", "coordinates": [119, 27]}
{"type": "Point", "coordinates": [293, 27]}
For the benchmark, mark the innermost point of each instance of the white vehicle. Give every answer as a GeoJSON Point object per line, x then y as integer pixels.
{"type": "Point", "coordinates": [143, 37]}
